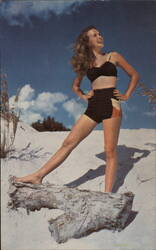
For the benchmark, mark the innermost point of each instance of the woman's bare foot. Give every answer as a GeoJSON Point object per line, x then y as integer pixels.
{"type": "Point", "coordinates": [34, 179]}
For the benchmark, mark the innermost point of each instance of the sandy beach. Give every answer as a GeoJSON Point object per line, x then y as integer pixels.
{"type": "Point", "coordinates": [85, 169]}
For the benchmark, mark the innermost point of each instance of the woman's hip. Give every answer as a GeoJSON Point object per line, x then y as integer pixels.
{"type": "Point", "coordinates": [102, 96]}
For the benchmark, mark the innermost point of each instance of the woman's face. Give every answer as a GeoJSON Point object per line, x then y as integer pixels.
{"type": "Point", "coordinates": [95, 38]}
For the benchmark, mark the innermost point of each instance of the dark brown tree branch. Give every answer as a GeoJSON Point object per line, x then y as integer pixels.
{"type": "Point", "coordinates": [150, 93]}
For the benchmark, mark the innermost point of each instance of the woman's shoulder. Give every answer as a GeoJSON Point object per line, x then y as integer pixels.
{"type": "Point", "coordinates": [112, 56]}
{"type": "Point", "coordinates": [112, 53]}
{"type": "Point", "coordinates": [115, 54]}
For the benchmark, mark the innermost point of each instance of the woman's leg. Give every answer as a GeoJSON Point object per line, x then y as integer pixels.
{"type": "Point", "coordinates": [111, 128]}
{"type": "Point", "coordinates": [82, 128]}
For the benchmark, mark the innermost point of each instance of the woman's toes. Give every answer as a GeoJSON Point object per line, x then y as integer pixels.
{"type": "Point", "coordinates": [33, 179]}
{"type": "Point", "coordinates": [12, 178]}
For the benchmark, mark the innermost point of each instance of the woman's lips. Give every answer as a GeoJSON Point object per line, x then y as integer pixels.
{"type": "Point", "coordinates": [100, 42]}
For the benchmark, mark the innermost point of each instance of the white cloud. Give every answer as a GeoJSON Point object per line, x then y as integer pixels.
{"type": "Point", "coordinates": [33, 109]}
{"type": "Point", "coordinates": [25, 100]}
{"type": "Point", "coordinates": [29, 117]}
{"type": "Point", "coordinates": [36, 108]}
{"type": "Point", "coordinates": [46, 102]}
{"type": "Point", "coordinates": [127, 108]}
{"type": "Point", "coordinates": [26, 93]}
{"type": "Point", "coordinates": [74, 108]}
{"type": "Point", "coordinates": [17, 12]}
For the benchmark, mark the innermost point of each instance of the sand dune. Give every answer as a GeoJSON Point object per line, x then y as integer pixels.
{"type": "Point", "coordinates": [84, 168]}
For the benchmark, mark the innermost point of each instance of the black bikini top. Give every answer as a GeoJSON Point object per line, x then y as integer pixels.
{"type": "Point", "coordinates": [106, 69]}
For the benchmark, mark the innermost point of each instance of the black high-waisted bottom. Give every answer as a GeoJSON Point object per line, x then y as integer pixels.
{"type": "Point", "coordinates": [103, 105]}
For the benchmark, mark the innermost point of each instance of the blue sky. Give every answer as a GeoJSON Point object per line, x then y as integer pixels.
{"type": "Point", "coordinates": [36, 39]}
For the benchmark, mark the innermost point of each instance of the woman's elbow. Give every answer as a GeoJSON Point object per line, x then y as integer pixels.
{"type": "Point", "coordinates": [74, 88]}
{"type": "Point", "coordinates": [136, 78]}
{"type": "Point", "coordinates": [135, 75]}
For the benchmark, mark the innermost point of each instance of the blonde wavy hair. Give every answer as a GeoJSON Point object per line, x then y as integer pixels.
{"type": "Point", "coordinates": [83, 55]}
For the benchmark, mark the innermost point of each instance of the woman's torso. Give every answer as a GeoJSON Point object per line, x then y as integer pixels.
{"type": "Point", "coordinates": [106, 65]}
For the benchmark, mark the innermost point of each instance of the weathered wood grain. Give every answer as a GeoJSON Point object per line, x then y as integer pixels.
{"type": "Point", "coordinates": [84, 211]}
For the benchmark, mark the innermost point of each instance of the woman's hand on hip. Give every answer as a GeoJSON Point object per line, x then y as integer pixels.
{"type": "Point", "coordinates": [121, 97]}
{"type": "Point", "coordinates": [88, 95]}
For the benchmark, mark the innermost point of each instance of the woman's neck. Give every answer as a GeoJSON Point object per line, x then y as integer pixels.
{"type": "Point", "coordinates": [98, 53]}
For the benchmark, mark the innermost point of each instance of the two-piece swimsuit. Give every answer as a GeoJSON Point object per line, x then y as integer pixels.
{"type": "Point", "coordinates": [103, 104]}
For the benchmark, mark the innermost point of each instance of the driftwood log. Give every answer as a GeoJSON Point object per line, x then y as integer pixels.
{"type": "Point", "coordinates": [84, 211]}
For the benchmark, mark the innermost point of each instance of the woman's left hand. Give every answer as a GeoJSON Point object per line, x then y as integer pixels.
{"type": "Point", "coordinates": [120, 96]}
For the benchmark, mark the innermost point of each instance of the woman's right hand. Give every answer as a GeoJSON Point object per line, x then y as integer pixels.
{"type": "Point", "coordinates": [88, 95]}
{"type": "Point", "coordinates": [85, 97]}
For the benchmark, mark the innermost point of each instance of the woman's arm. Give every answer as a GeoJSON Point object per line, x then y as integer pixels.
{"type": "Point", "coordinates": [121, 62]}
{"type": "Point", "coordinates": [76, 86]}
{"type": "Point", "coordinates": [78, 91]}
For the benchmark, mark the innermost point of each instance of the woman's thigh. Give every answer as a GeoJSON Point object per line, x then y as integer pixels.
{"type": "Point", "coordinates": [111, 128]}
{"type": "Point", "coordinates": [82, 128]}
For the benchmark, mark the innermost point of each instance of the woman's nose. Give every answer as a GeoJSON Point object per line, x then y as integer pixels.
{"type": "Point", "coordinates": [100, 36]}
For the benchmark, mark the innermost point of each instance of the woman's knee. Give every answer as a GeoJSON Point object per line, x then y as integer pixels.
{"type": "Point", "coordinates": [69, 143]}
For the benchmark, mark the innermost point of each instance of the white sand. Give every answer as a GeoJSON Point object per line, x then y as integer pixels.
{"type": "Point", "coordinates": [84, 168]}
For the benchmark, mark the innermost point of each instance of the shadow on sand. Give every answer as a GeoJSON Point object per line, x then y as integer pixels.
{"type": "Point", "coordinates": [126, 161]}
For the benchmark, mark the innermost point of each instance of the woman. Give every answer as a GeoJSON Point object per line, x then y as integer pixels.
{"type": "Point", "coordinates": [103, 103]}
